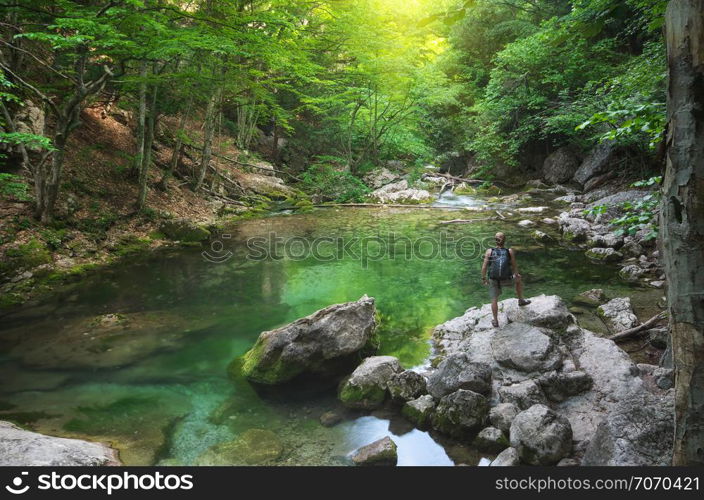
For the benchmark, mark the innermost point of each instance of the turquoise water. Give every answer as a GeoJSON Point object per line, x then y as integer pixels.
{"type": "Point", "coordinates": [136, 354]}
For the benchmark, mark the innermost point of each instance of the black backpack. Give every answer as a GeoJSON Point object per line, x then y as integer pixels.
{"type": "Point", "coordinates": [500, 264]}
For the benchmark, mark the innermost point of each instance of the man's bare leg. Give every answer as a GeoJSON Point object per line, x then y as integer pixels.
{"type": "Point", "coordinates": [495, 309]}
{"type": "Point", "coordinates": [519, 292]}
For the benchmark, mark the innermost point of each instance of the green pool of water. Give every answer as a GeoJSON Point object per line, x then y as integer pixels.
{"type": "Point", "coordinates": [156, 385]}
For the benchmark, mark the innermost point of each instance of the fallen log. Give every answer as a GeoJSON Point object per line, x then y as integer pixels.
{"type": "Point", "coordinates": [638, 329]}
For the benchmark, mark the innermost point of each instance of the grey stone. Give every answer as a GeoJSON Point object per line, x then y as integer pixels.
{"type": "Point", "coordinates": [491, 440]}
{"type": "Point", "coordinates": [525, 348]}
{"type": "Point", "coordinates": [366, 387]}
{"type": "Point", "coordinates": [604, 254]}
{"type": "Point", "coordinates": [457, 371]}
{"type": "Point", "coordinates": [507, 458]}
{"type": "Point", "coordinates": [502, 415]}
{"type": "Point", "coordinates": [638, 432]}
{"type": "Point", "coordinates": [380, 452]}
{"type": "Point", "coordinates": [618, 314]}
{"type": "Point", "coordinates": [326, 341]}
{"type": "Point", "coordinates": [461, 413]}
{"type": "Point", "coordinates": [522, 394]}
{"type": "Point", "coordinates": [561, 165]}
{"type": "Point", "coordinates": [21, 448]}
{"type": "Point", "coordinates": [407, 385]}
{"type": "Point", "coordinates": [559, 386]}
{"type": "Point", "coordinates": [541, 436]}
{"type": "Point", "coordinates": [420, 410]}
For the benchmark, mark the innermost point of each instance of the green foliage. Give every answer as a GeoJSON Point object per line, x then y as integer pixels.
{"type": "Point", "coordinates": [332, 182]}
{"type": "Point", "coordinates": [12, 186]}
{"type": "Point", "coordinates": [25, 256]}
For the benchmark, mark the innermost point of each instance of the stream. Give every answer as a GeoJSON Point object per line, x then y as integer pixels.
{"type": "Point", "coordinates": [136, 354]}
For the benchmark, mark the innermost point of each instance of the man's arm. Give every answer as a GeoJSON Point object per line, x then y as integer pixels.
{"type": "Point", "coordinates": [514, 265]}
{"type": "Point", "coordinates": [485, 264]}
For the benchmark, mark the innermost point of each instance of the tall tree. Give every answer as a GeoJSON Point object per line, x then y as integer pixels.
{"type": "Point", "coordinates": [682, 222]}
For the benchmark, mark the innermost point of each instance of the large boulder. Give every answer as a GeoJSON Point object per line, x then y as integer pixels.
{"type": "Point", "coordinates": [561, 165]}
{"type": "Point", "coordinates": [458, 372]}
{"type": "Point", "coordinates": [545, 311]}
{"type": "Point", "coordinates": [265, 185]}
{"type": "Point", "coordinates": [541, 436]}
{"type": "Point", "coordinates": [380, 178]}
{"type": "Point", "coordinates": [574, 229]}
{"type": "Point", "coordinates": [461, 413]}
{"type": "Point", "coordinates": [324, 342]}
{"type": "Point", "coordinates": [400, 192]}
{"type": "Point", "coordinates": [380, 452]}
{"type": "Point", "coordinates": [618, 314]}
{"type": "Point", "coordinates": [638, 431]}
{"type": "Point", "coordinates": [597, 163]}
{"type": "Point", "coordinates": [614, 203]}
{"type": "Point", "coordinates": [406, 385]}
{"type": "Point", "coordinates": [525, 348]}
{"type": "Point", "coordinates": [21, 448]}
{"type": "Point", "coordinates": [367, 387]}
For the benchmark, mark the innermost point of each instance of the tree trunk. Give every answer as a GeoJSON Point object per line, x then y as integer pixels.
{"type": "Point", "coordinates": [210, 119]}
{"type": "Point", "coordinates": [141, 120]}
{"type": "Point", "coordinates": [682, 222]}
{"type": "Point", "coordinates": [177, 151]}
{"type": "Point", "coordinates": [148, 141]}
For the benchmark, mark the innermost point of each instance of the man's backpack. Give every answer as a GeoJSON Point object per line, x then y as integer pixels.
{"type": "Point", "coordinates": [500, 264]}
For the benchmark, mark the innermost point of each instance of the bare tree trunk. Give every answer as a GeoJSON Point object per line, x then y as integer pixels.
{"type": "Point", "coordinates": [210, 119]}
{"type": "Point", "coordinates": [682, 222]}
{"type": "Point", "coordinates": [148, 141]}
{"type": "Point", "coordinates": [178, 149]}
{"type": "Point", "coordinates": [141, 120]}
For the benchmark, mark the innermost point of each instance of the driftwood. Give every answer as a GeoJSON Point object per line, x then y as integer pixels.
{"type": "Point", "coordinates": [638, 329]}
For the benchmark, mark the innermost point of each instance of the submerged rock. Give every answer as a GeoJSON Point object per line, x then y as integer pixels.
{"type": "Point", "coordinates": [367, 387]}
{"type": "Point", "coordinates": [591, 298]}
{"type": "Point", "coordinates": [381, 452]}
{"type": "Point", "coordinates": [330, 418]}
{"type": "Point", "coordinates": [324, 342]}
{"type": "Point", "coordinates": [541, 436]}
{"type": "Point", "coordinates": [253, 447]}
{"type": "Point", "coordinates": [21, 448]}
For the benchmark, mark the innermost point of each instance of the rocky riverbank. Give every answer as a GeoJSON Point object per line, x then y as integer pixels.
{"type": "Point", "coordinates": [537, 390]}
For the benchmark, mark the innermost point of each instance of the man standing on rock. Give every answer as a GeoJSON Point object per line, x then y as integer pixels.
{"type": "Point", "coordinates": [503, 270]}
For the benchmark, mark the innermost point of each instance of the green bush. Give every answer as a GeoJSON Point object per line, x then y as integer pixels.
{"type": "Point", "coordinates": [333, 184]}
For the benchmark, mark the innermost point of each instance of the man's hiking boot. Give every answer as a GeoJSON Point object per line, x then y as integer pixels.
{"type": "Point", "coordinates": [523, 302]}
{"type": "Point", "coordinates": [494, 323]}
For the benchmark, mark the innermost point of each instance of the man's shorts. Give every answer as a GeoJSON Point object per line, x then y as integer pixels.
{"type": "Point", "coordinates": [495, 287]}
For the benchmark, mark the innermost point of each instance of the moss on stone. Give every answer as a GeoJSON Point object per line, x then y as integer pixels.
{"type": "Point", "coordinates": [25, 256]}
{"type": "Point", "coordinates": [361, 397]}
{"type": "Point", "coordinates": [253, 369]}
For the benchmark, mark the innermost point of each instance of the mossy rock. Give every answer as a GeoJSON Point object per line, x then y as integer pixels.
{"type": "Point", "coordinates": [25, 256]}
{"type": "Point", "coordinates": [367, 397]}
{"type": "Point", "coordinates": [252, 368]}
{"type": "Point", "coordinates": [604, 254]}
{"type": "Point", "coordinates": [184, 230]}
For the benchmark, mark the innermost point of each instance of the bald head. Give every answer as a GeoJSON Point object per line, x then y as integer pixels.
{"type": "Point", "coordinates": [500, 239]}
